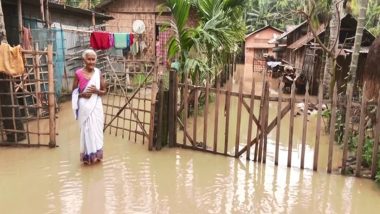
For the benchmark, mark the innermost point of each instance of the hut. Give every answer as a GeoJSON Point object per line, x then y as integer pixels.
{"type": "Point", "coordinates": [257, 44]}
{"type": "Point", "coordinates": [305, 55]}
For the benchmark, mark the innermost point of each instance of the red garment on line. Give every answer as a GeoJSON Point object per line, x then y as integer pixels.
{"type": "Point", "coordinates": [131, 38]}
{"type": "Point", "coordinates": [100, 40]}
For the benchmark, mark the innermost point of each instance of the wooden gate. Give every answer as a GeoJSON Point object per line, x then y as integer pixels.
{"type": "Point", "coordinates": [128, 107]}
{"type": "Point", "coordinates": [262, 123]}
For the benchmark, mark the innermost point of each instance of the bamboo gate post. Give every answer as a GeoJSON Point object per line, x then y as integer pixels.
{"type": "Point", "coordinates": [332, 128]}
{"type": "Point", "coordinates": [347, 124]}
{"type": "Point", "coordinates": [227, 114]}
{"type": "Point", "coordinates": [19, 11]}
{"type": "Point", "coordinates": [51, 101]}
{"type": "Point", "coordinates": [205, 113]}
{"type": "Point", "coordinates": [362, 126]}
{"type": "Point", "coordinates": [218, 82]}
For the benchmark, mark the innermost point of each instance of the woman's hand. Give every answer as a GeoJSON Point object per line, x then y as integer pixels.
{"type": "Point", "coordinates": [92, 90]}
{"type": "Point", "coordinates": [85, 95]}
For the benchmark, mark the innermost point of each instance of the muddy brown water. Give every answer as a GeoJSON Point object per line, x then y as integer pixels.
{"type": "Point", "coordinates": [133, 180]}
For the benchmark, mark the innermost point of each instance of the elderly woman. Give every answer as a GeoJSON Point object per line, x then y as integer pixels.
{"type": "Point", "coordinates": [88, 87]}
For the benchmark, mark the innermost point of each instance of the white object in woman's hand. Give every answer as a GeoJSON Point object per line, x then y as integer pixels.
{"type": "Point", "coordinates": [92, 89]}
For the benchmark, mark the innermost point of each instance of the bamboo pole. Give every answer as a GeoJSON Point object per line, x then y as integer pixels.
{"type": "Point", "coordinates": [13, 112]}
{"type": "Point", "coordinates": [291, 124]}
{"type": "Point", "coordinates": [152, 108]}
{"type": "Point", "coordinates": [276, 154]}
{"type": "Point", "coordinates": [318, 132]}
{"type": "Point", "coordinates": [376, 142]}
{"type": "Point", "coordinates": [332, 128]}
{"type": "Point", "coordinates": [47, 14]}
{"type": "Point", "coordinates": [227, 114]}
{"type": "Point", "coordinates": [19, 11]}
{"type": "Point", "coordinates": [51, 101]}
{"type": "Point", "coordinates": [304, 131]}
{"type": "Point", "coordinates": [42, 10]}
{"type": "Point", "coordinates": [215, 149]}
{"type": "Point", "coordinates": [362, 127]}
{"type": "Point", "coordinates": [250, 121]}
{"type": "Point", "coordinates": [36, 62]}
{"type": "Point", "coordinates": [26, 119]}
{"type": "Point", "coordinates": [347, 126]}
{"type": "Point", "coordinates": [240, 105]}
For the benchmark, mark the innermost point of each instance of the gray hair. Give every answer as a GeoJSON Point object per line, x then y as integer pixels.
{"type": "Point", "coordinates": [89, 52]}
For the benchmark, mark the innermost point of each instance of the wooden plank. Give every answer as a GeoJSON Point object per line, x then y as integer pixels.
{"type": "Point", "coordinates": [195, 116]}
{"type": "Point", "coordinates": [205, 113]}
{"type": "Point", "coordinates": [332, 129]}
{"type": "Point", "coordinates": [291, 124]}
{"type": "Point", "coordinates": [362, 128]}
{"type": "Point", "coordinates": [250, 121]}
{"type": "Point", "coordinates": [216, 115]}
{"type": "Point", "coordinates": [246, 106]}
{"type": "Point", "coordinates": [276, 153]}
{"type": "Point", "coordinates": [227, 114]}
{"type": "Point", "coordinates": [376, 141]}
{"type": "Point", "coordinates": [318, 132]}
{"type": "Point", "coordinates": [347, 129]}
{"type": "Point", "coordinates": [265, 123]}
{"type": "Point", "coordinates": [304, 129]}
{"type": "Point", "coordinates": [51, 100]}
{"type": "Point", "coordinates": [185, 115]}
{"type": "Point", "coordinates": [240, 105]}
{"type": "Point", "coordinates": [269, 128]}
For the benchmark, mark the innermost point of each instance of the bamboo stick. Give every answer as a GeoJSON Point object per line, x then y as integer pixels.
{"type": "Point", "coordinates": [250, 121]}
{"type": "Point", "coordinates": [240, 105]}
{"type": "Point", "coordinates": [19, 12]}
{"type": "Point", "coordinates": [332, 128]}
{"type": "Point", "coordinates": [153, 104]}
{"type": "Point", "coordinates": [227, 115]}
{"type": "Point", "coordinates": [376, 141]}
{"type": "Point", "coordinates": [318, 132]}
{"type": "Point", "coordinates": [25, 119]}
{"type": "Point", "coordinates": [52, 127]}
{"type": "Point", "coordinates": [13, 111]}
{"type": "Point", "coordinates": [304, 131]}
{"type": "Point", "coordinates": [291, 124]}
{"type": "Point", "coordinates": [216, 115]}
{"type": "Point", "coordinates": [276, 154]}
{"type": "Point", "coordinates": [362, 127]}
{"type": "Point", "coordinates": [347, 126]}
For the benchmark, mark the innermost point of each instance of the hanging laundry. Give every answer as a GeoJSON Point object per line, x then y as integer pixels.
{"type": "Point", "coordinates": [26, 38]}
{"type": "Point", "coordinates": [100, 40]}
{"type": "Point", "coordinates": [11, 61]}
{"type": "Point", "coordinates": [128, 40]}
{"type": "Point", "coordinates": [143, 46]}
{"type": "Point", "coordinates": [112, 40]}
{"type": "Point", "coordinates": [131, 39]}
{"type": "Point", "coordinates": [135, 48]}
{"type": "Point", "coordinates": [120, 40]}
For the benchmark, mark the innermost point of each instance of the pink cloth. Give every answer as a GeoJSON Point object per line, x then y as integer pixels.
{"type": "Point", "coordinates": [82, 81]}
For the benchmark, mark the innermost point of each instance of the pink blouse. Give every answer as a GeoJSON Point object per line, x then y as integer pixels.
{"type": "Point", "coordinates": [82, 81]}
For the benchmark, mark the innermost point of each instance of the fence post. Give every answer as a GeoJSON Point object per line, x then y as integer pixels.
{"type": "Point", "coordinates": [362, 125]}
{"type": "Point", "coordinates": [172, 108]}
{"type": "Point", "coordinates": [332, 128]}
{"type": "Point", "coordinates": [51, 102]}
{"type": "Point", "coordinates": [347, 128]}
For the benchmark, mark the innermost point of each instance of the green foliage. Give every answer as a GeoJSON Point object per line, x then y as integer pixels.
{"type": "Point", "coordinates": [139, 79]}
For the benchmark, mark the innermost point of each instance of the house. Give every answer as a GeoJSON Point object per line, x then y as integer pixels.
{"type": "Point", "coordinates": [68, 33]}
{"type": "Point", "coordinates": [257, 43]}
{"type": "Point", "coordinates": [307, 57]}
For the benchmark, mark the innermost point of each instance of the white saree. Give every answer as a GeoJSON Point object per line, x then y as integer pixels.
{"type": "Point", "coordinates": [90, 115]}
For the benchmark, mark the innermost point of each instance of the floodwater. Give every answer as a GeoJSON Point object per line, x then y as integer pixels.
{"type": "Point", "coordinates": [133, 180]}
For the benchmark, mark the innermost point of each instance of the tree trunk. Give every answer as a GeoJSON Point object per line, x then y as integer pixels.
{"type": "Point", "coordinates": [7, 99]}
{"type": "Point", "coordinates": [363, 5]}
{"type": "Point", "coordinates": [329, 71]}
